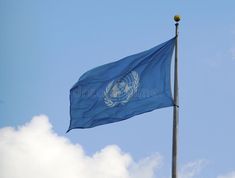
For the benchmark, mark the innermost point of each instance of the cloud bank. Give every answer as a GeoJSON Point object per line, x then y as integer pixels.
{"type": "Point", "coordinates": [36, 151]}
{"type": "Point", "coordinates": [192, 169]}
{"type": "Point", "coordinates": [229, 175]}
{"type": "Point", "coordinates": [233, 53]}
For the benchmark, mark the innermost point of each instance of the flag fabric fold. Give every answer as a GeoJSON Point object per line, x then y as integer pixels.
{"type": "Point", "coordinates": [119, 90]}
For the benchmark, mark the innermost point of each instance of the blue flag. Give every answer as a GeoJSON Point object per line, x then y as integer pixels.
{"type": "Point", "coordinates": [119, 90]}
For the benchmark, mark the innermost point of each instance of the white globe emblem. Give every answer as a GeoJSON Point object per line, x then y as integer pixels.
{"type": "Point", "coordinates": [120, 92]}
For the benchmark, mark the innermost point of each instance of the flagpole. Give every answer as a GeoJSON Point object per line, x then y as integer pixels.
{"type": "Point", "coordinates": [176, 105]}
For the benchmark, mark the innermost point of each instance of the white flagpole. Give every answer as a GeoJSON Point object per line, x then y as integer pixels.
{"type": "Point", "coordinates": [176, 105]}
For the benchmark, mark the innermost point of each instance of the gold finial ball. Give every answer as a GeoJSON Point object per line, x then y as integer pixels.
{"type": "Point", "coordinates": [177, 18]}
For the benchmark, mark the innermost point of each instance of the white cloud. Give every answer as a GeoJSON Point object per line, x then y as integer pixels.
{"type": "Point", "coordinates": [233, 53]}
{"type": "Point", "coordinates": [146, 167]}
{"type": "Point", "coordinates": [192, 169]}
{"type": "Point", "coordinates": [36, 151]}
{"type": "Point", "coordinates": [229, 175]}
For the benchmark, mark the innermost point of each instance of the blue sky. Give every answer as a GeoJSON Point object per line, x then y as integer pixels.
{"type": "Point", "coordinates": [46, 45]}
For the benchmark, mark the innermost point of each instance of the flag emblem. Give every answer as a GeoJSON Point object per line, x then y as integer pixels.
{"type": "Point", "coordinates": [121, 91]}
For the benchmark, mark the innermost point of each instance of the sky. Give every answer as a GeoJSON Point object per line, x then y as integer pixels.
{"type": "Point", "coordinates": [46, 45]}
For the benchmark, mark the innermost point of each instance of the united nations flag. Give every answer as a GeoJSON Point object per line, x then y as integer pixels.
{"type": "Point", "coordinates": [117, 91]}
